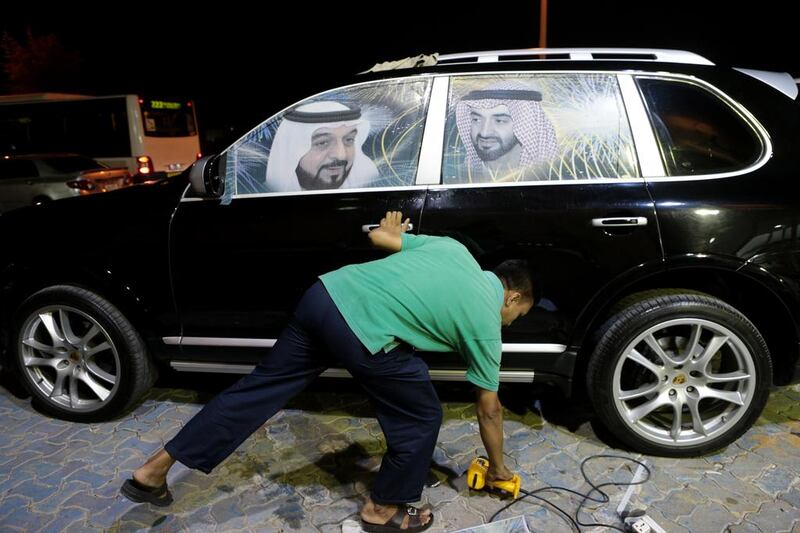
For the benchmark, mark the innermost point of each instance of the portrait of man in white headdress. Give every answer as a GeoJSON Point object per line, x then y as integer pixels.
{"type": "Point", "coordinates": [318, 146]}
{"type": "Point", "coordinates": [504, 131]}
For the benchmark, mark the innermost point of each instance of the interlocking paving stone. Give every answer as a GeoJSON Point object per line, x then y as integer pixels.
{"type": "Point", "coordinates": [792, 498]}
{"type": "Point", "coordinates": [775, 517]}
{"type": "Point", "coordinates": [72, 518]}
{"type": "Point", "coordinates": [744, 527]}
{"type": "Point", "coordinates": [782, 450]}
{"type": "Point", "coordinates": [748, 492]}
{"type": "Point", "coordinates": [311, 467]}
{"type": "Point", "coordinates": [17, 458]}
{"type": "Point", "coordinates": [710, 517]}
{"type": "Point", "coordinates": [452, 431]}
{"type": "Point", "coordinates": [228, 514]}
{"type": "Point", "coordinates": [748, 466]}
{"type": "Point", "coordinates": [112, 516]}
{"type": "Point", "coordinates": [450, 516]}
{"type": "Point", "coordinates": [32, 490]}
{"type": "Point", "coordinates": [17, 477]}
{"type": "Point", "coordinates": [10, 504]}
{"type": "Point", "coordinates": [544, 518]}
{"type": "Point", "coordinates": [57, 497]}
{"type": "Point", "coordinates": [520, 440]}
{"type": "Point", "coordinates": [731, 501]}
{"type": "Point", "coordinates": [333, 514]}
{"type": "Point", "coordinates": [683, 502]}
{"type": "Point", "coordinates": [775, 480]}
{"type": "Point", "coordinates": [22, 516]}
{"type": "Point", "coordinates": [560, 470]}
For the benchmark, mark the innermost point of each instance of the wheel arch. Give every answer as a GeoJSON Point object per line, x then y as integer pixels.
{"type": "Point", "coordinates": [21, 281]}
{"type": "Point", "coordinates": [756, 294]}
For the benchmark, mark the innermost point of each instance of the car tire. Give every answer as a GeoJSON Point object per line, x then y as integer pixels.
{"type": "Point", "coordinates": [678, 374]}
{"type": "Point", "coordinates": [78, 356]}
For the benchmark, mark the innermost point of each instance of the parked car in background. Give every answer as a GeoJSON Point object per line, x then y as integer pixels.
{"type": "Point", "coordinates": [37, 178]}
{"type": "Point", "coordinates": [654, 193]}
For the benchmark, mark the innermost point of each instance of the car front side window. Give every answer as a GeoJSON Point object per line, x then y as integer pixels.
{"type": "Point", "coordinates": [356, 137]}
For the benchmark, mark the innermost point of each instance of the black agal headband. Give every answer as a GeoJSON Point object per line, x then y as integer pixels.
{"type": "Point", "coordinates": [504, 94]}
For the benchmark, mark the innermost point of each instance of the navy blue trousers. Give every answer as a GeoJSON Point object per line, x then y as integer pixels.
{"type": "Point", "coordinates": [398, 384]}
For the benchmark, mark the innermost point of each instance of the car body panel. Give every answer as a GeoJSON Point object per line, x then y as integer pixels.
{"type": "Point", "coordinates": [110, 244]}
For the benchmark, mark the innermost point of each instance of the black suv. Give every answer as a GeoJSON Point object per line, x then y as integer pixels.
{"type": "Point", "coordinates": [651, 190]}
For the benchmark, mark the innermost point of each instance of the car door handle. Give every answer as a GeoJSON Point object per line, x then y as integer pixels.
{"type": "Point", "coordinates": [619, 222]}
{"type": "Point", "coordinates": [366, 228]}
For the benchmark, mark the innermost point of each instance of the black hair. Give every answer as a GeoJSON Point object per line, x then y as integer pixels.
{"type": "Point", "coordinates": [516, 275]}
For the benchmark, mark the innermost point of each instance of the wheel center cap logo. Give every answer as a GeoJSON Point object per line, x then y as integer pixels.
{"type": "Point", "coordinates": [680, 379]}
{"type": "Point", "coordinates": [74, 357]}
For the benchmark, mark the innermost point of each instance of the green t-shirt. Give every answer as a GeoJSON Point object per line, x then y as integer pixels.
{"type": "Point", "coordinates": [433, 295]}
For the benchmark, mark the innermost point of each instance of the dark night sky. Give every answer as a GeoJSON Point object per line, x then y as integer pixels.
{"type": "Point", "coordinates": [241, 64]}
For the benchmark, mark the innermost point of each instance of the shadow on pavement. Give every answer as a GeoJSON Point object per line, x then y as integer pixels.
{"type": "Point", "coordinates": [549, 403]}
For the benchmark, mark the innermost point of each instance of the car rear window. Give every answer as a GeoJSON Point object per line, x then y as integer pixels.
{"type": "Point", "coordinates": [697, 132]}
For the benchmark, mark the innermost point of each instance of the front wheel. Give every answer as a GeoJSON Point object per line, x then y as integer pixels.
{"type": "Point", "coordinates": [78, 356]}
{"type": "Point", "coordinates": [679, 374]}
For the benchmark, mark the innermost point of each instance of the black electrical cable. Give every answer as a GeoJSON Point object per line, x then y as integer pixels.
{"type": "Point", "coordinates": [576, 521]}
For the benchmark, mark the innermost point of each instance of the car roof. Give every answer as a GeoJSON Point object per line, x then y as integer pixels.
{"type": "Point", "coordinates": [544, 54]}
{"type": "Point", "coordinates": [568, 58]}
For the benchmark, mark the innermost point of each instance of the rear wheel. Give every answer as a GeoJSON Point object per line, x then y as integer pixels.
{"type": "Point", "coordinates": [78, 356]}
{"type": "Point", "coordinates": [679, 374]}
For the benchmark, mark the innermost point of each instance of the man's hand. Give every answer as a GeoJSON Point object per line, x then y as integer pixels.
{"type": "Point", "coordinates": [387, 235]}
{"type": "Point", "coordinates": [500, 473]}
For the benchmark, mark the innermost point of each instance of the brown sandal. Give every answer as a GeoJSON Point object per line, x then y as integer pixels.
{"type": "Point", "coordinates": [395, 523]}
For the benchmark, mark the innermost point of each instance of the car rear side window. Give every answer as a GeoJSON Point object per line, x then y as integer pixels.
{"type": "Point", "coordinates": [536, 127]}
{"type": "Point", "coordinates": [366, 135]}
{"type": "Point", "coordinates": [697, 132]}
{"type": "Point", "coordinates": [17, 168]}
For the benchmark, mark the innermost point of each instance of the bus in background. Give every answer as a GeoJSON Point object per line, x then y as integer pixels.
{"type": "Point", "coordinates": [146, 135]}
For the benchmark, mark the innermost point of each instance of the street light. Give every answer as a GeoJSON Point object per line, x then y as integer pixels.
{"type": "Point", "coordinates": [542, 23]}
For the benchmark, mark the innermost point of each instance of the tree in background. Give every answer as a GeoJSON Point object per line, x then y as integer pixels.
{"type": "Point", "coordinates": [38, 63]}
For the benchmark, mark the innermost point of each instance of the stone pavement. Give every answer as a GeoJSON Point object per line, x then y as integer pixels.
{"type": "Point", "coordinates": [308, 469]}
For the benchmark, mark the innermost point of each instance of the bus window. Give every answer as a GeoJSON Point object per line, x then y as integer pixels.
{"type": "Point", "coordinates": [167, 119]}
{"type": "Point", "coordinates": [119, 130]}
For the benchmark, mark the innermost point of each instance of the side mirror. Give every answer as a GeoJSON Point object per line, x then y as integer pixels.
{"type": "Point", "coordinates": [205, 177]}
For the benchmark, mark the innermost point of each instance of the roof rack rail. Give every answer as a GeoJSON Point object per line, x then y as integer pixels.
{"type": "Point", "coordinates": [576, 54]}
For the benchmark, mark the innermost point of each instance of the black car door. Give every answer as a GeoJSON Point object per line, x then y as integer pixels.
{"type": "Point", "coordinates": [307, 184]}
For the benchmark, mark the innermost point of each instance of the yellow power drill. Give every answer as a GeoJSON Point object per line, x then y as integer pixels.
{"type": "Point", "coordinates": [476, 479]}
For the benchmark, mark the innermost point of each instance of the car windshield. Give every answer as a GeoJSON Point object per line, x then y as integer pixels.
{"type": "Point", "coordinates": [72, 163]}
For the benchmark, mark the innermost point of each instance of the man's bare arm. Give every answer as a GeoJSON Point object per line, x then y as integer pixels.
{"type": "Point", "coordinates": [387, 236]}
{"type": "Point", "coordinates": [490, 420]}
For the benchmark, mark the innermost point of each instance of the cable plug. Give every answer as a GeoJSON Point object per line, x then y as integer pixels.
{"type": "Point", "coordinates": [636, 525]}
{"type": "Point", "coordinates": [638, 522]}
